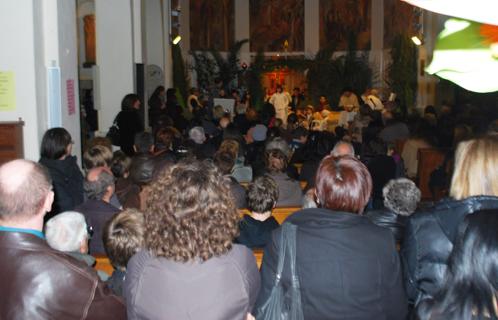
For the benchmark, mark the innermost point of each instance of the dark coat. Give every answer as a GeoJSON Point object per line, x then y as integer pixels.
{"type": "Point", "coordinates": [388, 219]}
{"type": "Point", "coordinates": [428, 242]}
{"type": "Point", "coordinates": [43, 283]}
{"type": "Point", "coordinates": [348, 268]}
{"type": "Point", "coordinates": [97, 213]}
{"type": "Point", "coordinates": [67, 181]}
{"type": "Point", "coordinates": [255, 233]}
{"type": "Point", "coordinates": [129, 123]}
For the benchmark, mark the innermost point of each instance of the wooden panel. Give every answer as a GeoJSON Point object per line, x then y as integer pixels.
{"type": "Point", "coordinates": [280, 214]}
{"type": "Point", "coordinates": [428, 160]}
{"type": "Point", "coordinates": [11, 141]}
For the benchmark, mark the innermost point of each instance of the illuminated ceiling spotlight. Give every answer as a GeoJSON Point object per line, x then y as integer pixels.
{"type": "Point", "coordinates": [176, 40]}
{"type": "Point", "coordinates": [416, 40]}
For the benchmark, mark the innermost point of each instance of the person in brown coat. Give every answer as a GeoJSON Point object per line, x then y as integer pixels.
{"type": "Point", "coordinates": [40, 282]}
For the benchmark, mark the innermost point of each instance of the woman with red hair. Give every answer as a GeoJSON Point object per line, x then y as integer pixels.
{"type": "Point", "coordinates": [347, 267]}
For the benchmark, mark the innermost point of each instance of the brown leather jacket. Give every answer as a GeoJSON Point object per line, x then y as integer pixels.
{"type": "Point", "coordinates": [41, 283]}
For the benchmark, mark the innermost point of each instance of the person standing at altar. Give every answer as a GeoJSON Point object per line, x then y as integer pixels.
{"type": "Point", "coordinates": [280, 100]}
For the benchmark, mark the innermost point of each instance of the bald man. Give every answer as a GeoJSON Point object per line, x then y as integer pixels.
{"type": "Point", "coordinates": [343, 148]}
{"type": "Point", "coordinates": [40, 282]}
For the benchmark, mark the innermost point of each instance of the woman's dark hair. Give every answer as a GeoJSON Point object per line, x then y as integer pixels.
{"type": "Point", "coordinates": [343, 184]}
{"type": "Point", "coordinates": [129, 101]}
{"type": "Point", "coordinates": [54, 143]}
{"type": "Point", "coordinates": [190, 213]}
{"type": "Point", "coordinates": [157, 91]}
{"type": "Point", "coordinates": [469, 290]}
{"type": "Point", "coordinates": [171, 94]}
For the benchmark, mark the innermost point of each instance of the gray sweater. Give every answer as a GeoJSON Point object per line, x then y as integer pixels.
{"type": "Point", "coordinates": [220, 288]}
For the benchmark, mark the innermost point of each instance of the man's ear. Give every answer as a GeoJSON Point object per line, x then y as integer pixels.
{"type": "Point", "coordinates": [47, 203]}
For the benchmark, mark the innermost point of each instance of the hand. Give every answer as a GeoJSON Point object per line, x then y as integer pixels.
{"type": "Point", "coordinates": [250, 317]}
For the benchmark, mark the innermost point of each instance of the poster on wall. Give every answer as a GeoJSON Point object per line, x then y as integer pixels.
{"type": "Point", "coordinates": [7, 91]}
{"type": "Point", "coordinates": [277, 25]}
{"type": "Point", "coordinates": [341, 19]}
{"type": "Point", "coordinates": [398, 18]}
{"type": "Point", "coordinates": [71, 104]}
{"type": "Point", "coordinates": [206, 35]}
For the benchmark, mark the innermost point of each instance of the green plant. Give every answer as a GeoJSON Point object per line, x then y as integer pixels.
{"type": "Point", "coordinates": [228, 68]}
{"type": "Point", "coordinates": [402, 72]}
{"type": "Point", "coordinates": [205, 69]}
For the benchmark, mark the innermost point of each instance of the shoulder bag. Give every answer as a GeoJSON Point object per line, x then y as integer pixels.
{"type": "Point", "coordinates": [284, 304]}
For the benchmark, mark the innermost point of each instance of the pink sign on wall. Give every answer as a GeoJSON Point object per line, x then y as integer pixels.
{"type": "Point", "coordinates": [71, 104]}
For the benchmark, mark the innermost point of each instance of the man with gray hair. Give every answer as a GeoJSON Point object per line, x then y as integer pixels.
{"type": "Point", "coordinates": [343, 148]}
{"type": "Point", "coordinates": [40, 282]}
{"type": "Point", "coordinates": [68, 232]}
{"type": "Point", "coordinates": [99, 188]}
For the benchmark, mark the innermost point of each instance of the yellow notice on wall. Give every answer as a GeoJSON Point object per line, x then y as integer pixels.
{"type": "Point", "coordinates": [7, 91]}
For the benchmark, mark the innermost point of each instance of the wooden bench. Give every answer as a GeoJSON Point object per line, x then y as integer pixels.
{"type": "Point", "coordinates": [279, 213]}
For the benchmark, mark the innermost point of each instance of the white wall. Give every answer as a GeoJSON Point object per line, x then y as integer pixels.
{"type": "Point", "coordinates": [18, 55]}
{"type": "Point", "coordinates": [68, 62]}
{"type": "Point", "coordinates": [113, 28]}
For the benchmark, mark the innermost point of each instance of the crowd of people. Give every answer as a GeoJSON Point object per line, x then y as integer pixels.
{"type": "Point", "coordinates": [166, 210]}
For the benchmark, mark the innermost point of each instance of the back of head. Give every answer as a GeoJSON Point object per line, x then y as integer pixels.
{"type": "Point", "coordinates": [96, 189]}
{"type": "Point", "coordinates": [120, 165]}
{"type": "Point", "coordinates": [342, 148]}
{"type": "Point", "coordinates": [224, 161]}
{"type": "Point", "coordinates": [123, 237]}
{"type": "Point", "coordinates": [66, 231]}
{"type": "Point", "coordinates": [129, 101]}
{"type": "Point", "coordinates": [142, 170]}
{"type": "Point", "coordinates": [262, 194]}
{"type": "Point", "coordinates": [54, 144]}
{"type": "Point", "coordinates": [343, 184]}
{"type": "Point", "coordinates": [24, 186]}
{"type": "Point", "coordinates": [469, 290]}
{"type": "Point", "coordinates": [197, 135]}
{"type": "Point", "coordinates": [143, 142]}
{"type": "Point", "coordinates": [231, 146]}
{"type": "Point", "coordinates": [190, 213]}
{"type": "Point", "coordinates": [97, 156]}
{"type": "Point", "coordinates": [279, 144]}
{"type": "Point", "coordinates": [401, 196]}
{"type": "Point", "coordinates": [476, 168]}
{"type": "Point", "coordinates": [276, 160]}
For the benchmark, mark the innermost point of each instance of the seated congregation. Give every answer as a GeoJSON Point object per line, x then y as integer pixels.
{"type": "Point", "coordinates": [219, 217]}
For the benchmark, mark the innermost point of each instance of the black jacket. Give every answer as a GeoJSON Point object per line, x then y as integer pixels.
{"type": "Point", "coordinates": [348, 267]}
{"type": "Point", "coordinates": [129, 123]}
{"type": "Point", "coordinates": [255, 233]}
{"type": "Point", "coordinates": [428, 242]}
{"type": "Point", "coordinates": [388, 219]}
{"type": "Point", "coordinates": [67, 181]}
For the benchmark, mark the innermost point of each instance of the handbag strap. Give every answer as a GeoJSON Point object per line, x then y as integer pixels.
{"type": "Point", "coordinates": [281, 256]}
{"type": "Point", "coordinates": [291, 246]}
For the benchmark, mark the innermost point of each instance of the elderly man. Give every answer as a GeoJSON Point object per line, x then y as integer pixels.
{"type": "Point", "coordinates": [99, 188]}
{"type": "Point", "coordinates": [343, 148]}
{"type": "Point", "coordinates": [40, 282]}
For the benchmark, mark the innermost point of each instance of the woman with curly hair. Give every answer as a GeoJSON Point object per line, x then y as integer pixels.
{"type": "Point", "coordinates": [189, 268]}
